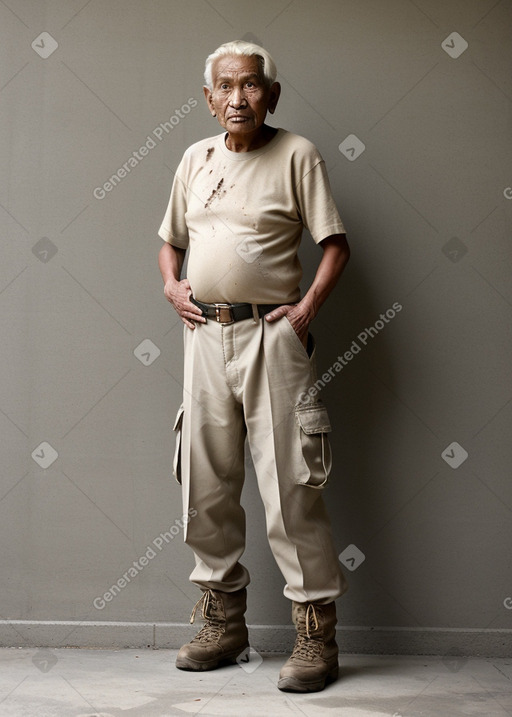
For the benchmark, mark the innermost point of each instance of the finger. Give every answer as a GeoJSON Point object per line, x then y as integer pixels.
{"type": "Point", "coordinates": [186, 309]}
{"type": "Point", "coordinates": [195, 310]}
{"type": "Point", "coordinates": [188, 323]}
{"type": "Point", "coordinates": [277, 313]}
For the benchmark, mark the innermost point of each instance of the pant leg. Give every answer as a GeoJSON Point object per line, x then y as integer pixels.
{"type": "Point", "coordinates": [291, 455]}
{"type": "Point", "coordinates": [212, 463]}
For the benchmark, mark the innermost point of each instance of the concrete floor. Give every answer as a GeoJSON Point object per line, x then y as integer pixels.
{"type": "Point", "coordinates": [145, 683]}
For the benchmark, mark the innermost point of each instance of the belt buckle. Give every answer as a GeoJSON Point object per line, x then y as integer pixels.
{"type": "Point", "coordinates": [222, 311]}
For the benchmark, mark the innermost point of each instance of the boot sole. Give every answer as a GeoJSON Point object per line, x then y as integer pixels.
{"type": "Point", "coordinates": [190, 665]}
{"type": "Point", "coordinates": [293, 684]}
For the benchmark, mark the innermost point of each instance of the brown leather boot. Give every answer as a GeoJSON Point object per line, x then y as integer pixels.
{"type": "Point", "coordinates": [224, 635]}
{"type": "Point", "coordinates": [314, 661]}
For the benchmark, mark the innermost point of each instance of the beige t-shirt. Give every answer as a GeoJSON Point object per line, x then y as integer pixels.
{"type": "Point", "coordinates": [241, 215]}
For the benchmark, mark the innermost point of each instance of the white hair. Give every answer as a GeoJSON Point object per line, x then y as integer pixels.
{"type": "Point", "coordinates": [240, 47]}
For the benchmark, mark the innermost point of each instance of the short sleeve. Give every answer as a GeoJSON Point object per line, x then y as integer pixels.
{"type": "Point", "coordinates": [318, 210]}
{"type": "Point", "coordinates": [174, 227]}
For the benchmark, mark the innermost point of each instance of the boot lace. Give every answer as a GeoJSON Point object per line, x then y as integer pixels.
{"type": "Point", "coordinates": [211, 612]}
{"type": "Point", "coordinates": [306, 647]}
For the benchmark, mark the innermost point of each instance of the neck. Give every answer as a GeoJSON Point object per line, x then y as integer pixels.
{"type": "Point", "coordinates": [249, 141]}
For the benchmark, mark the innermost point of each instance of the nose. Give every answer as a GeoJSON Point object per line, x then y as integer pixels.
{"type": "Point", "coordinates": [237, 98]}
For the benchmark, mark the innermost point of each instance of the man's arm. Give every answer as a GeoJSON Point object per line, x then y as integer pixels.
{"type": "Point", "coordinates": [178, 293]}
{"type": "Point", "coordinates": [336, 255]}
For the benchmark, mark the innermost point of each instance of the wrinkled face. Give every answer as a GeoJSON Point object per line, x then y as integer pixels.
{"type": "Point", "coordinates": [240, 97]}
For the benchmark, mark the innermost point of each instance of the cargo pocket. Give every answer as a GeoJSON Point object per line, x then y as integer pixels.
{"type": "Point", "coordinates": [314, 425]}
{"type": "Point", "coordinates": [176, 463]}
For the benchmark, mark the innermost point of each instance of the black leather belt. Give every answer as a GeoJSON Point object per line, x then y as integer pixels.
{"type": "Point", "coordinates": [229, 313]}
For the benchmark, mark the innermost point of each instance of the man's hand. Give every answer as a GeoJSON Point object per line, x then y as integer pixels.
{"type": "Point", "coordinates": [336, 254]}
{"type": "Point", "coordinates": [178, 293]}
{"type": "Point", "coordinates": [299, 315]}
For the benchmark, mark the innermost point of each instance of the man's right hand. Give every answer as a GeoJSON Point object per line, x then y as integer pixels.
{"type": "Point", "coordinates": [178, 293]}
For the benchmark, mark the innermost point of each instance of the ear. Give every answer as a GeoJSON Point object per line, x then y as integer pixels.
{"type": "Point", "coordinates": [209, 100]}
{"type": "Point", "coordinates": [275, 92]}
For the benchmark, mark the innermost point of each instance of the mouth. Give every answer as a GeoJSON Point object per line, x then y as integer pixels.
{"type": "Point", "coordinates": [238, 118]}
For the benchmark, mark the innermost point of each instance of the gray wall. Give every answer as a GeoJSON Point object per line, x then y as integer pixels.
{"type": "Point", "coordinates": [428, 209]}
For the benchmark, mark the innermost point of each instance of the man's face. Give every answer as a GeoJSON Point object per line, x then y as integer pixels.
{"type": "Point", "coordinates": [240, 97]}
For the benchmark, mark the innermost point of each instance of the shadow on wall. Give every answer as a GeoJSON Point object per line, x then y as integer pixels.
{"type": "Point", "coordinates": [360, 494]}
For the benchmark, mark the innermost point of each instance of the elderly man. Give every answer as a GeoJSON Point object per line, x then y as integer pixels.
{"type": "Point", "coordinates": [238, 204]}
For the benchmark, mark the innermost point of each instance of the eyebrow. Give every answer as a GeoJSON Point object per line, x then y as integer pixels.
{"type": "Point", "coordinates": [249, 76]}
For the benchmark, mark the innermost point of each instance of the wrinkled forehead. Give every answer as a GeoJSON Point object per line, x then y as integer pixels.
{"type": "Point", "coordinates": [236, 66]}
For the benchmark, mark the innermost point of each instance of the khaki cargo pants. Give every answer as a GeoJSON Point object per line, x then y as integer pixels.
{"type": "Point", "coordinates": [245, 380]}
